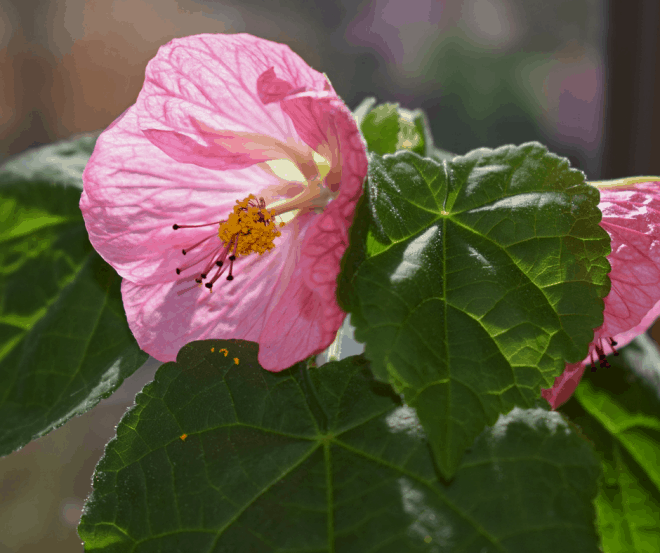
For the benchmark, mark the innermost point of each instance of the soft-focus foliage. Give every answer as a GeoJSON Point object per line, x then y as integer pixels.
{"type": "Point", "coordinates": [64, 340]}
{"type": "Point", "coordinates": [618, 408]}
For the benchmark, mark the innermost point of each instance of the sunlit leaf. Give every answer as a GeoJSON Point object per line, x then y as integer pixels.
{"type": "Point", "coordinates": [220, 455]}
{"type": "Point", "coordinates": [473, 281]}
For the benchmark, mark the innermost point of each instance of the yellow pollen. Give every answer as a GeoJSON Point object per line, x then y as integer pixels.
{"type": "Point", "coordinates": [224, 351]}
{"type": "Point", "coordinates": [252, 225]}
{"type": "Point", "coordinates": [183, 437]}
{"type": "Point", "coordinates": [236, 360]}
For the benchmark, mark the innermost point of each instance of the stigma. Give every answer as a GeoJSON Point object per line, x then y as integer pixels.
{"type": "Point", "coordinates": [249, 228]}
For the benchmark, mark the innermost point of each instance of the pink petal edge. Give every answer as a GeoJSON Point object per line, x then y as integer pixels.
{"type": "Point", "coordinates": [631, 216]}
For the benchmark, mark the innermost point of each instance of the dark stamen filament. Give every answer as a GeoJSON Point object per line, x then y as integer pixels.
{"type": "Point", "coordinates": [177, 227]}
{"type": "Point", "coordinates": [219, 263]}
{"type": "Point", "coordinates": [612, 344]}
{"type": "Point", "coordinates": [215, 261]}
{"type": "Point", "coordinates": [232, 258]}
{"type": "Point", "coordinates": [192, 263]}
{"type": "Point", "coordinates": [186, 250]}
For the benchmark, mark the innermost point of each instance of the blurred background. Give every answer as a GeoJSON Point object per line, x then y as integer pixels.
{"type": "Point", "coordinates": [578, 75]}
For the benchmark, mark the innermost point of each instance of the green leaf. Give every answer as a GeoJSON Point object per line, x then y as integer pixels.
{"type": "Point", "coordinates": [64, 339]}
{"type": "Point", "coordinates": [380, 129]}
{"type": "Point", "coordinates": [388, 128]}
{"type": "Point", "coordinates": [441, 155]}
{"type": "Point", "coordinates": [218, 456]}
{"type": "Point", "coordinates": [618, 408]}
{"type": "Point", "coordinates": [361, 111]}
{"type": "Point", "coordinates": [474, 282]}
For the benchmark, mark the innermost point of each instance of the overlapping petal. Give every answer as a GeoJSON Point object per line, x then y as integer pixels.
{"type": "Point", "coordinates": [134, 193]}
{"type": "Point", "coordinates": [213, 108]}
{"type": "Point", "coordinates": [631, 216]}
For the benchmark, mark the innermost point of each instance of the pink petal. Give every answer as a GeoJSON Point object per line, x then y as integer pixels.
{"type": "Point", "coordinates": [631, 216]}
{"type": "Point", "coordinates": [213, 107]}
{"type": "Point", "coordinates": [229, 150]}
{"type": "Point", "coordinates": [270, 88]}
{"type": "Point", "coordinates": [565, 385]}
{"type": "Point", "coordinates": [134, 193]}
{"type": "Point", "coordinates": [319, 267]}
{"type": "Point", "coordinates": [165, 317]}
{"type": "Point", "coordinates": [213, 154]}
{"type": "Point", "coordinates": [214, 79]}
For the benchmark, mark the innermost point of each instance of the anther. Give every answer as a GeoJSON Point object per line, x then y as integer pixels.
{"type": "Point", "coordinates": [612, 344]}
{"type": "Point", "coordinates": [217, 275]}
{"type": "Point", "coordinates": [602, 357]}
{"type": "Point", "coordinates": [229, 277]}
{"type": "Point", "coordinates": [193, 262]}
{"type": "Point", "coordinates": [184, 251]}
{"type": "Point", "coordinates": [232, 258]}
{"type": "Point", "coordinates": [218, 263]}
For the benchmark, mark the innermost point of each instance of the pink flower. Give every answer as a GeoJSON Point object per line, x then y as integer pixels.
{"type": "Point", "coordinates": [162, 191]}
{"type": "Point", "coordinates": [631, 216]}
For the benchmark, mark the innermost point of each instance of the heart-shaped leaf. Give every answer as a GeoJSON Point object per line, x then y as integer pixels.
{"type": "Point", "coordinates": [473, 281]}
{"type": "Point", "coordinates": [221, 455]}
{"type": "Point", "coordinates": [64, 339]}
{"type": "Point", "coordinates": [618, 408]}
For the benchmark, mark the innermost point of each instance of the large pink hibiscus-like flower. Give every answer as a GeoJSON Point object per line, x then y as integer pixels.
{"type": "Point", "coordinates": [631, 216]}
{"type": "Point", "coordinates": [186, 193]}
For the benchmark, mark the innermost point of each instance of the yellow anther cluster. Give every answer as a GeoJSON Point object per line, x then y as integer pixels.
{"type": "Point", "coordinates": [252, 225]}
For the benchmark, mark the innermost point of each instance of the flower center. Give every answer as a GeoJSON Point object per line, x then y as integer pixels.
{"type": "Point", "coordinates": [250, 228]}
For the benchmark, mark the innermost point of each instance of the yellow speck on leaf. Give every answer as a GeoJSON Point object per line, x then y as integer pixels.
{"type": "Point", "coordinates": [428, 539]}
{"type": "Point", "coordinates": [236, 360]}
{"type": "Point", "coordinates": [183, 437]}
{"type": "Point", "coordinates": [223, 350]}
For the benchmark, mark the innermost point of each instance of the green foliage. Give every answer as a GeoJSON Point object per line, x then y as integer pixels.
{"type": "Point", "coordinates": [219, 455]}
{"type": "Point", "coordinates": [64, 340]}
{"type": "Point", "coordinates": [388, 128]}
{"type": "Point", "coordinates": [618, 408]}
{"type": "Point", "coordinates": [473, 281]}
